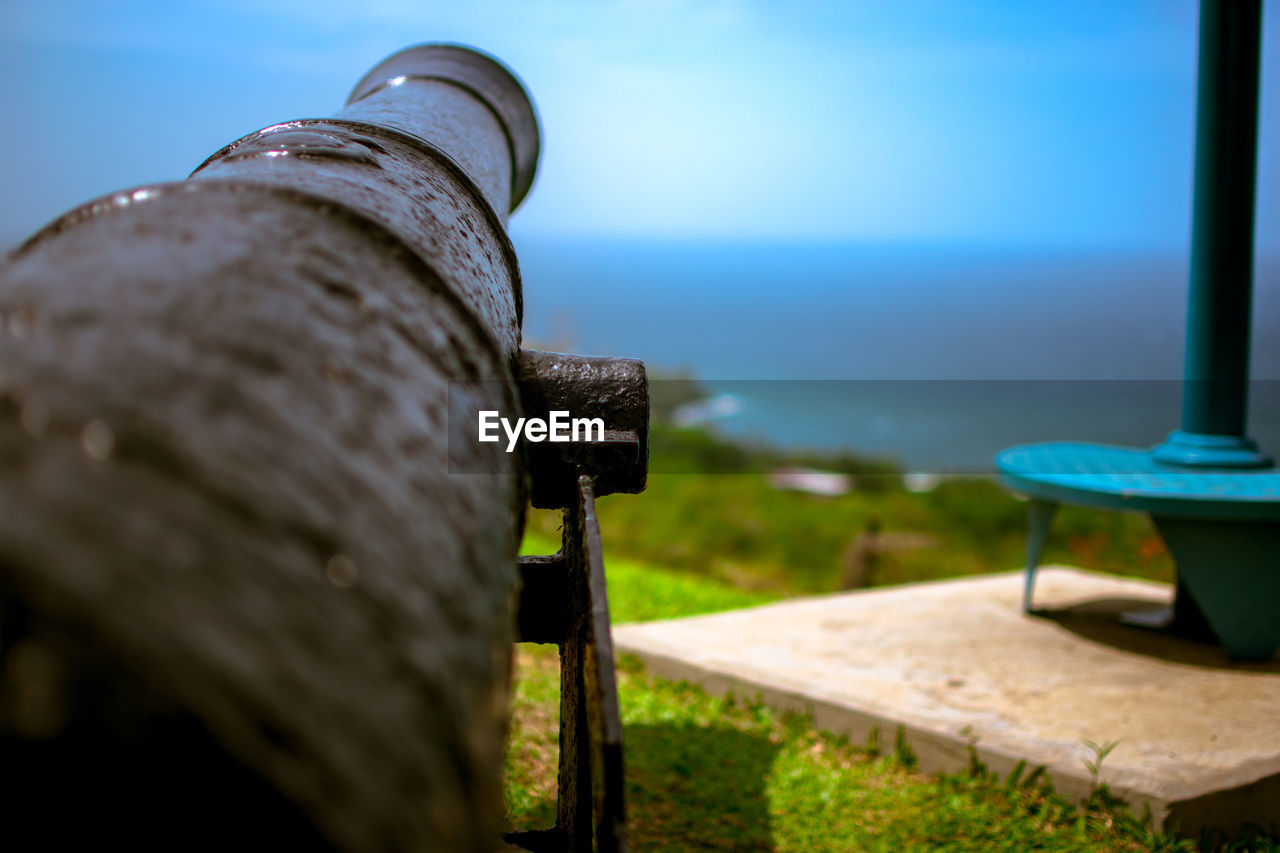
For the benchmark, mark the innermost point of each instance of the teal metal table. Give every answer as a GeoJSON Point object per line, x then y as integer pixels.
{"type": "Point", "coordinates": [1222, 528]}
{"type": "Point", "coordinates": [1213, 495]}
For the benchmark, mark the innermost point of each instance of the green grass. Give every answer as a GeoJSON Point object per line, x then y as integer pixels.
{"type": "Point", "coordinates": [708, 773]}
{"type": "Point", "coordinates": [639, 593]}
{"type": "Point", "coordinates": [705, 773]}
{"type": "Point", "coordinates": [737, 529]}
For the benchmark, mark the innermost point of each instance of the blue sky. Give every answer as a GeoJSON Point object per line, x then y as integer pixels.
{"type": "Point", "coordinates": [1031, 123]}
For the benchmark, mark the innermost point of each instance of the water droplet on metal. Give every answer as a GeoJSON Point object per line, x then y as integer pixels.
{"type": "Point", "coordinates": [286, 141]}
{"type": "Point", "coordinates": [35, 416]}
{"type": "Point", "coordinates": [97, 440]}
{"type": "Point", "coordinates": [341, 571]}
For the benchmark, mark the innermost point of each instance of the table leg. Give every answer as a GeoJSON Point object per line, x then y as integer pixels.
{"type": "Point", "coordinates": [1230, 572]}
{"type": "Point", "coordinates": [1039, 517]}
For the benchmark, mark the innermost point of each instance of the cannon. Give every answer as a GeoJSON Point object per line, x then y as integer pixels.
{"type": "Point", "coordinates": [258, 577]}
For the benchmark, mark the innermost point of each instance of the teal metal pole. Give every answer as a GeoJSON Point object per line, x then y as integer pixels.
{"type": "Point", "coordinates": [1215, 393]}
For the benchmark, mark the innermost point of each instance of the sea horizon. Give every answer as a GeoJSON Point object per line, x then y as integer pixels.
{"type": "Point", "coordinates": [867, 348]}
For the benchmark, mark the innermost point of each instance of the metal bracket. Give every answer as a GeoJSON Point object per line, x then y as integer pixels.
{"type": "Point", "coordinates": [613, 389]}
{"type": "Point", "coordinates": [563, 597]}
{"type": "Point", "coordinates": [569, 589]}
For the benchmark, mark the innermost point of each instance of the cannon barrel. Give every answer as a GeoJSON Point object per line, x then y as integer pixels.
{"type": "Point", "coordinates": [242, 598]}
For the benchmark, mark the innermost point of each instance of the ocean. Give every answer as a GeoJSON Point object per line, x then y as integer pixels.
{"type": "Point", "coordinates": [934, 356]}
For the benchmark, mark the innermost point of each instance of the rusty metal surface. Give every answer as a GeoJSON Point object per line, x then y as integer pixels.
{"type": "Point", "coordinates": [599, 682]}
{"type": "Point", "coordinates": [226, 501]}
{"type": "Point", "coordinates": [407, 185]}
{"type": "Point", "coordinates": [464, 114]}
{"type": "Point", "coordinates": [467, 70]}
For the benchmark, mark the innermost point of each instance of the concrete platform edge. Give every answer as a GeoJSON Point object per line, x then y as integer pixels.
{"type": "Point", "coordinates": [1228, 804]}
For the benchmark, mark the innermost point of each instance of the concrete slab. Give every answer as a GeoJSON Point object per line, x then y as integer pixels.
{"type": "Point", "coordinates": [956, 661]}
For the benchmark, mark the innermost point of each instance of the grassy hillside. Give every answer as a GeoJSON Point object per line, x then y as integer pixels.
{"type": "Point", "coordinates": [736, 528]}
